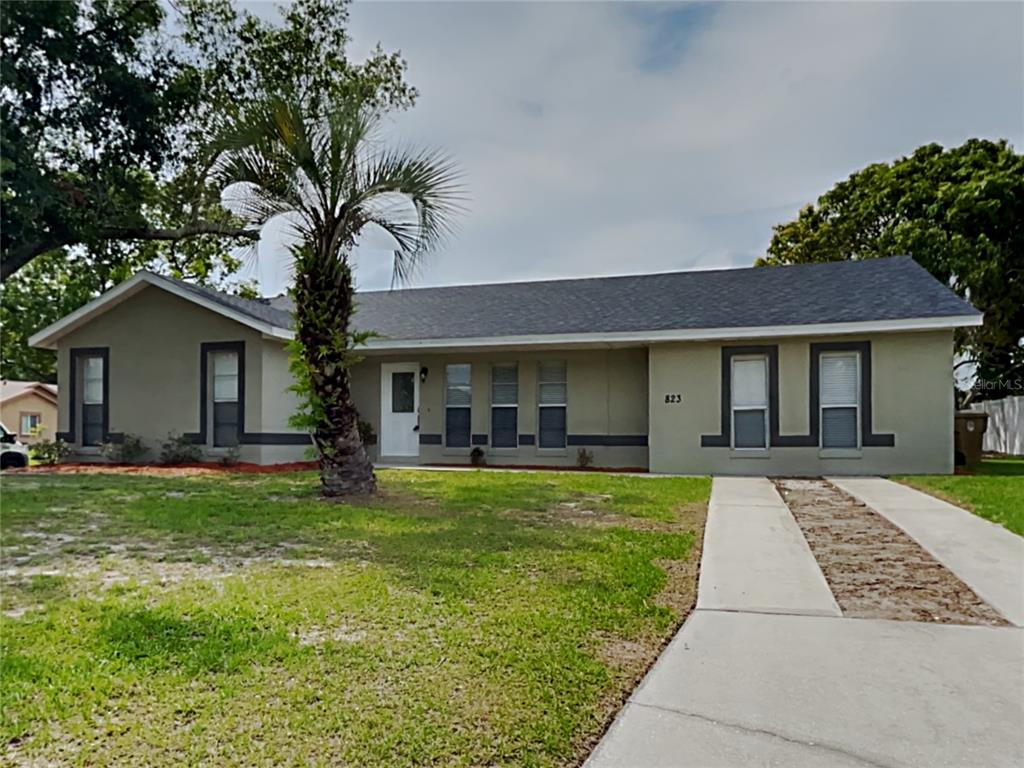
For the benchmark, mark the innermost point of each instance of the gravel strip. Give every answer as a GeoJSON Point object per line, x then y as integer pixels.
{"type": "Point", "coordinates": [875, 570]}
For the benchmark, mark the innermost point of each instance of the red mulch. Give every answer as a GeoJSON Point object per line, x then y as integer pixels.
{"type": "Point", "coordinates": [176, 470]}
{"type": "Point", "coordinates": [211, 468]}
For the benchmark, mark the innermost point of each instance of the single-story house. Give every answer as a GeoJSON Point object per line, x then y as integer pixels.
{"type": "Point", "coordinates": [835, 368]}
{"type": "Point", "coordinates": [29, 409]}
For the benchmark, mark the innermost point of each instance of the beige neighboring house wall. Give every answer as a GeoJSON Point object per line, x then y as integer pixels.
{"type": "Point", "coordinates": [154, 341]}
{"type": "Point", "coordinates": [28, 397]}
{"type": "Point", "coordinates": [912, 398]}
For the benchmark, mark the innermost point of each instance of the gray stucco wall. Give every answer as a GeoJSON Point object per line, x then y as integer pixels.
{"type": "Point", "coordinates": [154, 342]}
{"type": "Point", "coordinates": [912, 397]}
{"type": "Point", "coordinates": [607, 402]}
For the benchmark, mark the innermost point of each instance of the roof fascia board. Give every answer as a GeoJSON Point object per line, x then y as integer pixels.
{"type": "Point", "coordinates": [47, 337]}
{"type": "Point", "coordinates": [40, 392]}
{"type": "Point", "coordinates": [696, 334]}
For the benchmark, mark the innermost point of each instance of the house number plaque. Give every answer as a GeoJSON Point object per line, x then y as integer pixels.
{"type": "Point", "coordinates": [673, 397]}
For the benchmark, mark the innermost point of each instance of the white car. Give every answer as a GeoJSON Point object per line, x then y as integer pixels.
{"type": "Point", "coordinates": [13, 453]}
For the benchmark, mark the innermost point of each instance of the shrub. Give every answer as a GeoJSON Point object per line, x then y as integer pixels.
{"type": "Point", "coordinates": [584, 458]}
{"type": "Point", "coordinates": [230, 457]}
{"type": "Point", "coordinates": [129, 450]}
{"type": "Point", "coordinates": [178, 449]}
{"type": "Point", "coordinates": [50, 452]}
{"type": "Point", "coordinates": [366, 433]}
{"type": "Point", "coordinates": [477, 458]}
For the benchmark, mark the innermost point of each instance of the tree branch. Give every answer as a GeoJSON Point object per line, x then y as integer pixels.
{"type": "Point", "coordinates": [178, 233]}
{"type": "Point", "coordinates": [16, 258]}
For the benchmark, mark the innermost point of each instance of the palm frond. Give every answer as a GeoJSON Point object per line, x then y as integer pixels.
{"type": "Point", "coordinates": [330, 170]}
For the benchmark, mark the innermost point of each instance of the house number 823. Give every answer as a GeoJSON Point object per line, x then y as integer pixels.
{"type": "Point", "coordinates": [674, 397]}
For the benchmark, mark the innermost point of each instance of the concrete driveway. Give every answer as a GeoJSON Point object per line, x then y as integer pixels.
{"type": "Point", "coordinates": [766, 671]}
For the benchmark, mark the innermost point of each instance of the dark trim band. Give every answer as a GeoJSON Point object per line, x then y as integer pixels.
{"type": "Point", "coordinates": [526, 439]}
{"type": "Point", "coordinates": [724, 438]}
{"type": "Point", "coordinates": [429, 439]}
{"type": "Point", "coordinates": [276, 438]}
{"type": "Point", "coordinates": [607, 440]}
{"type": "Point", "coordinates": [205, 348]}
{"type": "Point", "coordinates": [479, 440]}
{"type": "Point", "coordinates": [812, 439]}
{"type": "Point", "coordinates": [868, 439]}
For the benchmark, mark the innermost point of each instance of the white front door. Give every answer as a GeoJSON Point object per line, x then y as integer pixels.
{"type": "Point", "coordinates": [399, 409]}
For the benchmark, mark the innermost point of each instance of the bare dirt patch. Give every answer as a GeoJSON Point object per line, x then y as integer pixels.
{"type": "Point", "coordinates": [175, 470]}
{"type": "Point", "coordinates": [875, 570]}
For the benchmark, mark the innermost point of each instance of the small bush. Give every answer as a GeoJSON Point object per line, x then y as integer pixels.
{"type": "Point", "coordinates": [230, 457]}
{"type": "Point", "coordinates": [50, 452]}
{"type": "Point", "coordinates": [584, 458]}
{"type": "Point", "coordinates": [178, 449]}
{"type": "Point", "coordinates": [130, 450]}
{"type": "Point", "coordinates": [366, 433]}
{"type": "Point", "coordinates": [477, 457]}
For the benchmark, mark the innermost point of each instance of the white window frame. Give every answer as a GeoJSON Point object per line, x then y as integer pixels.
{"type": "Point", "coordinates": [733, 408]}
{"type": "Point", "coordinates": [215, 354]}
{"type": "Point", "coordinates": [85, 380]}
{"type": "Point", "coordinates": [856, 405]}
{"type": "Point", "coordinates": [29, 415]}
{"type": "Point", "coordinates": [514, 366]}
{"type": "Point", "coordinates": [564, 404]}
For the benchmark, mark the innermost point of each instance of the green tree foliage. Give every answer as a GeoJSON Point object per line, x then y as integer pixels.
{"type": "Point", "coordinates": [959, 213]}
{"type": "Point", "coordinates": [108, 108]}
{"type": "Point", "coordinates": [318, 163]}
{"type": "Point", "coordinates": [90, 98]}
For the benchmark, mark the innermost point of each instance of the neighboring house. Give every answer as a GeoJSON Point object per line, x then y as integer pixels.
{"type": "Point", "coordinates": [29, 408]}
{"type": "Point", "coordinates": [838, 368]}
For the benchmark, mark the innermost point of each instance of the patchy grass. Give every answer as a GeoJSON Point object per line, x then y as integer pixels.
{"type": "Point", "coordinates": [994, 490]}
{"type": "Point", "coordinates": [458, 619]}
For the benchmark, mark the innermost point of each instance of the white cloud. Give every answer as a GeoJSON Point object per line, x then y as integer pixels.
{"type": "Point", "coordinates": [582, 158]}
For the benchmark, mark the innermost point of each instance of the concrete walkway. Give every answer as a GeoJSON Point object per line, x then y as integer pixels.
{"type": "Point", "coordinates": [744, 683]}
{"type": "Point", "coordinates": [755, 557]}
{"type": "Point", "coordinates": [985, 556]}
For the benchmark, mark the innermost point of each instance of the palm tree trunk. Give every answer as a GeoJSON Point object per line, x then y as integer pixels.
{"type": "Point", "coordinates": [324, 300]}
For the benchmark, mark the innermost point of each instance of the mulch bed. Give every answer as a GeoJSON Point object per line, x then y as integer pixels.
{"type": "Point", "coordinates": [876, 570]}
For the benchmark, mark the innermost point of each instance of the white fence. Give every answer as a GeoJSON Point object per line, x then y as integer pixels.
{"type": "Point", "coordinates": [1005, 433]}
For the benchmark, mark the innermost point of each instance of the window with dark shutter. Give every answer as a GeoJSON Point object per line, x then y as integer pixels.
{"type": "Point", "coordinates": [225, 399]}
{"type": "Point", "coordinates": [749, 384]}
{"type": "Point", "coordinates": [840, 400]}
{"type": "Point", "coordinates": [92, 401]}
{"type": "Point", "coordinates": [552, 400]}
{"type": "Point", "coordinates": [458, 399]}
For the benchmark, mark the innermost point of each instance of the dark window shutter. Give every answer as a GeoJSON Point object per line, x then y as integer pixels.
{"type": "Point", "coordinates": [225, 424]}
{"type": "Point", "coordinates": [92, 424]}
{"type": "Point", "coordinates": [504, 427]}
{"type": "Point", "coordinates": [552, 427]}
{"type": "Point", "coordinates": [456, 427]}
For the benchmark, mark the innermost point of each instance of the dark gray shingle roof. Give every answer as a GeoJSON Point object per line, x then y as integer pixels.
{"type": "Point", "coordinates": [836, 292]}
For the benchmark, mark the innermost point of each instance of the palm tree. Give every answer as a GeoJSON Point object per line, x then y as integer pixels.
{"type": "Point", "coordinates": [330, 178]}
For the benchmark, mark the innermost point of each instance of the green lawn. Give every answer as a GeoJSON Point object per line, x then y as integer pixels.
{"type": "Point", "coordinates": [994, 490]}
{"type": "Point", "coordinates": [461, 619]}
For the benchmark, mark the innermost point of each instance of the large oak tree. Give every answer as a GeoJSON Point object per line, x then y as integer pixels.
{"type": "Point", "coordinates": [960, 214]}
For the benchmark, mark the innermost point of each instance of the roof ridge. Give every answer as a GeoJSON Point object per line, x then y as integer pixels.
{"type": "Point", "coordinates": [665, 273]}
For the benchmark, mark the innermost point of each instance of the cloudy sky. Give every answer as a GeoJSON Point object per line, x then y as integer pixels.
{"type": "Point", "coordinates": [611, 138]}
